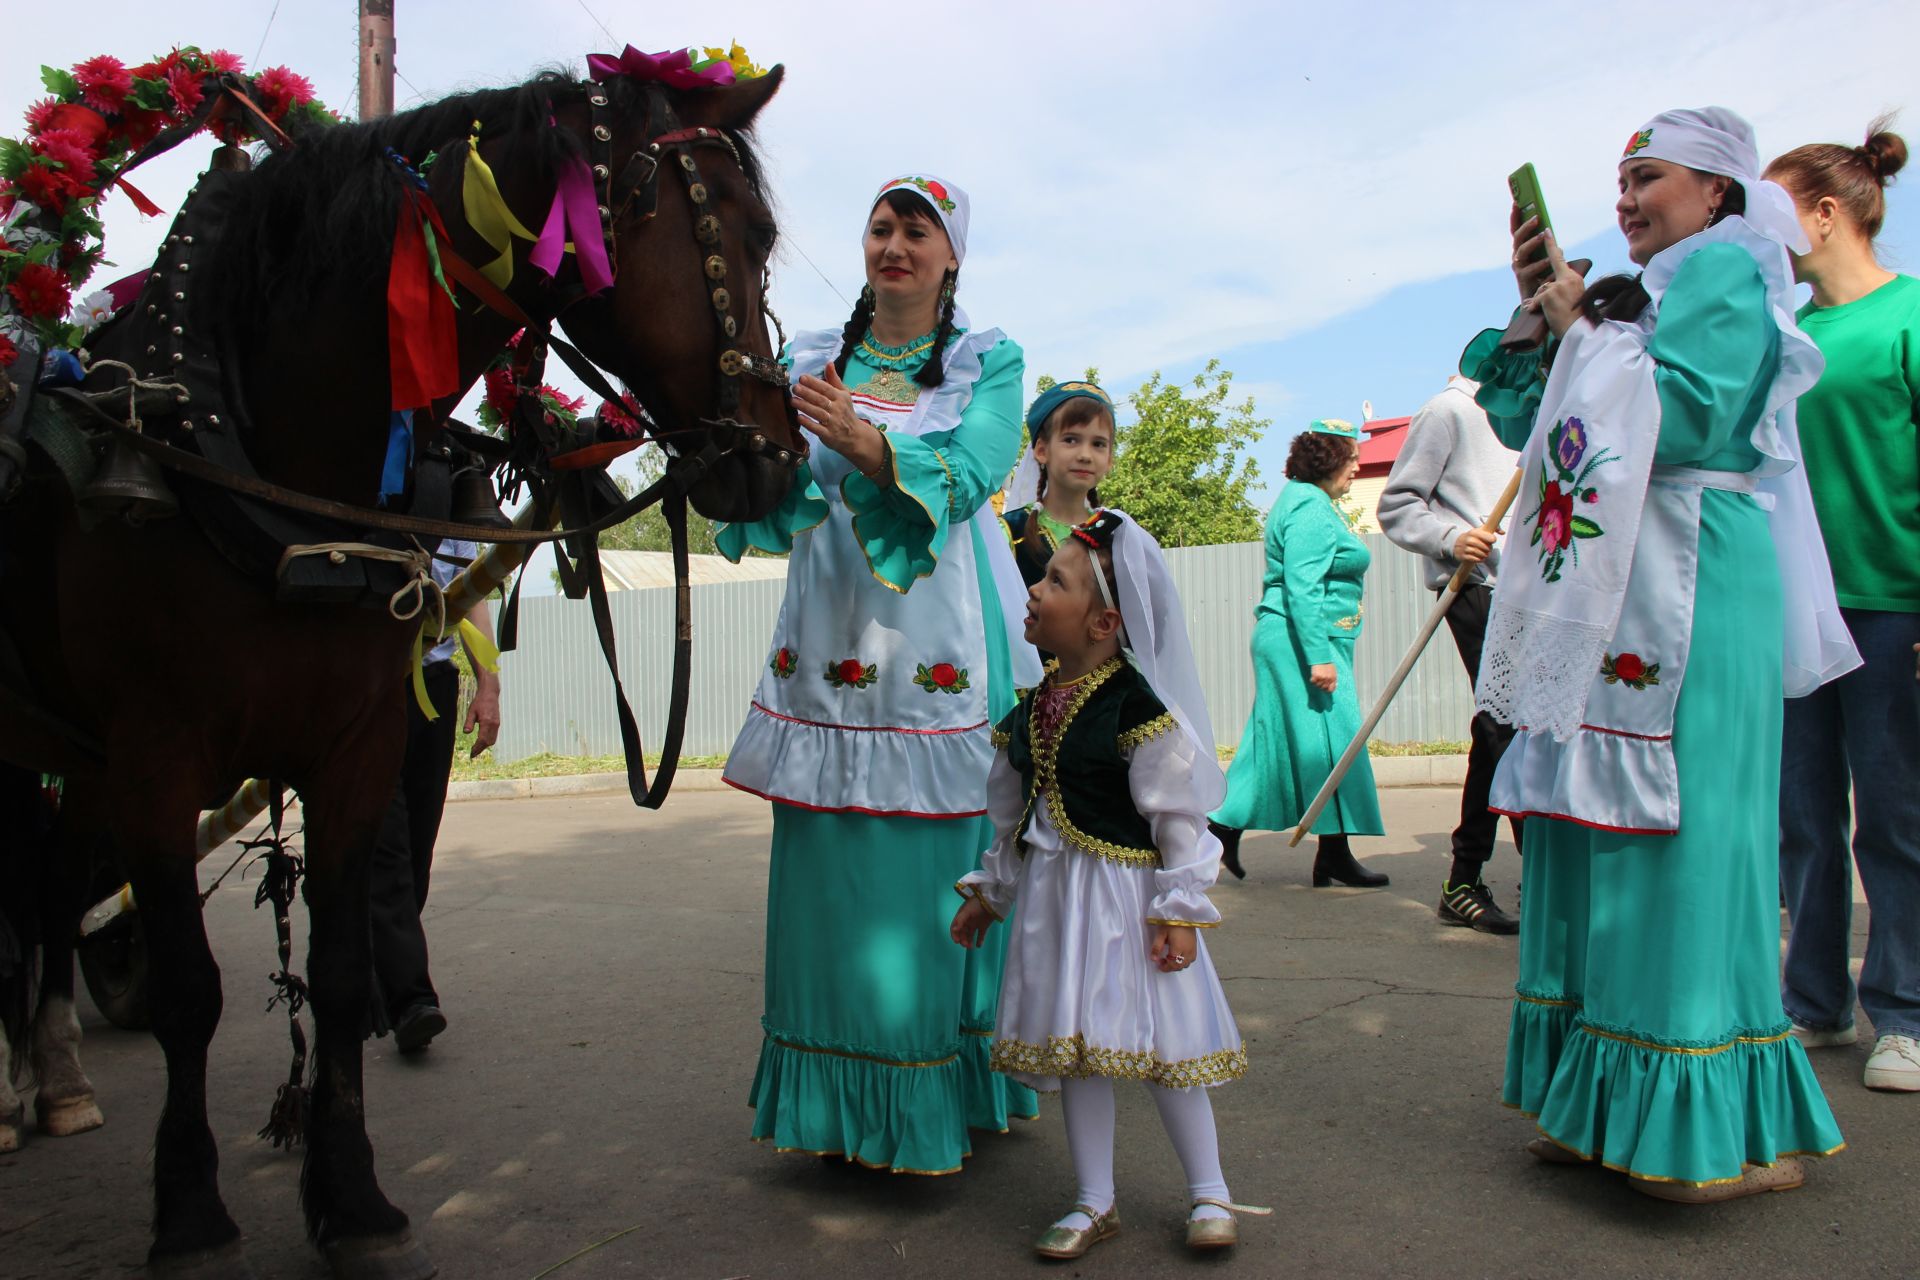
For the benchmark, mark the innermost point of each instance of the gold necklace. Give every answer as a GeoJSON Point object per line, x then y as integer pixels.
{"type": "Point", "coordinates": [867, 346]}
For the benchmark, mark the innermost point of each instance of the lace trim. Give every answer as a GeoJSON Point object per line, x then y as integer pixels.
{"type": "Point", "coordinates": [1539, 669]}
{"type": "Point", "coordinates": [1158, 727]}
{"type": "Point", "coordinates": [1070, 1057]}
{"type": "Point", "coordinates": [914, 351]}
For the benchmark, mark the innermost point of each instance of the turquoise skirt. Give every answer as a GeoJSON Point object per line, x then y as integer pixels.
{"type": "Point", "coordinates": [1648, 1032]}
{"type": "Point", "coordinates": [1293, 737]}
{"type": "Point", "coordinates": [878, 1026]}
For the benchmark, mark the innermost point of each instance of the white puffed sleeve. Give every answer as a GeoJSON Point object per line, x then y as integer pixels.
{"type": "Point", "coordinates": [997, 881]}
{"type": "Point", "coordinates": [1160, 775]}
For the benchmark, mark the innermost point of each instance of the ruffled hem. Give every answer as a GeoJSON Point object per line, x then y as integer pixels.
{"type": "Point", "coordinates": [886, 772]}
{"type": "Point", "coordinates": [907, 1116]}
{"type": "Point", "coordinates": [1693, 1114]}
{"type": "Point", "coordinates": [1510, 382]}
{"type": "Point", "coordinates": [1618, 782]}
{"type": "Point", "coordinates": [1072, 1058]}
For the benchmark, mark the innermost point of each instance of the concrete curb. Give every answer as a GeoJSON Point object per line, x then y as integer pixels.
{"type": "Point", "coordinates": [1388, 771]}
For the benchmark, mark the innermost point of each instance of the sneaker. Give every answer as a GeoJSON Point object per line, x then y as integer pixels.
{"type": "Point", "coordinates": [1895, 1064]}
{"type": "Point", "coordinates": [417, 1028]}
{"type": "Point", "coordinates": [1814, 1038]}
{"type": "Point", "coordinates": [1471, 906]}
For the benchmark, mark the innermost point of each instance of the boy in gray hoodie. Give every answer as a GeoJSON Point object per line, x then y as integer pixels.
{"type": "Point", "coordinates": [1447, 478]}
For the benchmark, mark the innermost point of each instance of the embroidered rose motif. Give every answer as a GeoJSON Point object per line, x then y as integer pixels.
{"type": "Point", "coordinates": [941, 677]}
{"type": "Point", "coordinates": [849, 673]}
{"type": "Point", "coordinates": [1637, 143]}
{"type": "Point", "coordinates": [785, 663]}
{"type": "Point", "coordinates": [1629, 669]}
{"type": "Point", "coordinates": [1556, 528]}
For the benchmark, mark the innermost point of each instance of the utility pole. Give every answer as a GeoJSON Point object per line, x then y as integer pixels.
{"type": "Point", "coordinates": [376, 58]}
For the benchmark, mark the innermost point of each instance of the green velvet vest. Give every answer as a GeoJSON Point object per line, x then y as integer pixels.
{"type": "Point", "coordinates": [1082, 778]}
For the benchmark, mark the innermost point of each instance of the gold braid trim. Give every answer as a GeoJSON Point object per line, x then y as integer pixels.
{"type": "Point", "coordinates": [972, 894]}
{"type": "Point", "coordinates": [1000, 739]}
{"type": "Point", "coordinates": [1070, 1057]}
{"type": "Point", "coordinates": [1044, 778]}
{"type": "Point", "coordinates": [1158, 727]}
{"type": "Point", "coordinates": [1184, 924]}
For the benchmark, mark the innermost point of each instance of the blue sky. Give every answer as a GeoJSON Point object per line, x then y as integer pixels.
{"type": "Point", "coordinates": [1314, 193]}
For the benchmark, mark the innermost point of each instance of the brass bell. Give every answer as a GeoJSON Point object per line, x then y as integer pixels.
{"type": "Point", "coordinates": [131, 484]}
{"type": "Point", "coordinates": [473, 500]}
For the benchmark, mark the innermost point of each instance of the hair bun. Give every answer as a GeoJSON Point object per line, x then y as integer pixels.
{"type": "Point", "coordinates": [1884, 152]}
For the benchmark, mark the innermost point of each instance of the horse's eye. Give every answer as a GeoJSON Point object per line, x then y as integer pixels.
{"type": "Point", "coordinates": [763, 235]}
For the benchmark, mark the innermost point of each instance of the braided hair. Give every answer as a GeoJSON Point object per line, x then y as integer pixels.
{"type": "Point", "coordinates": [934, 371]}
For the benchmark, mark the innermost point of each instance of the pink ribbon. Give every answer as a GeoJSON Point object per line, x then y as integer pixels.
{"type": "Point", "coordinates": [673, 68]}
{"type": "Point", "coordinates": [574, 216]}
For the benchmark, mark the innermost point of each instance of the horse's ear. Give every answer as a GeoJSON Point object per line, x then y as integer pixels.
{"type": "Point", "coordinates": [736, 106]}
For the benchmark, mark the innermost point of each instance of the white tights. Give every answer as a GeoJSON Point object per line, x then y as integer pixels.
{"type": "Point", "coordinates": [1187, 1116]}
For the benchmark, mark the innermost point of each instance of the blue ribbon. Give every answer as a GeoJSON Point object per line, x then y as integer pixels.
{"type": "Point", "coordinates": [393, 474]}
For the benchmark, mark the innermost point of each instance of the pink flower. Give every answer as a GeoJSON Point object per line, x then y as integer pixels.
{"type": "Point", "coordinates": [68, 148]}
{"type": "Point", "coordinates": [186, 88]}
{"type": "Point", "coordinates": [221, 60]}
{"type": "Point", "coordinates": [280, 89]}
{"type": "Point", "coordinates": [104, 82]}
{"type": "Point", "coordinates": [1556, 519]}
{"type": "Point", "coordinates": [39, 113]}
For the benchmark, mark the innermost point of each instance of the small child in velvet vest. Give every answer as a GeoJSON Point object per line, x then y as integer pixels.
{"type": "Point", "coordinates": [1099, 798]}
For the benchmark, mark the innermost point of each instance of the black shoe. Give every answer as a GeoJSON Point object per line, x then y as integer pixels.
{"type": "Point", "coordinates": [1471, 906]}
{"type": "Point", "coordinates": [1229, 838]}
{"type": "Point", "coordinates": [417, 1027]}
{"type": "Point", "coordinates": [1347, 869]}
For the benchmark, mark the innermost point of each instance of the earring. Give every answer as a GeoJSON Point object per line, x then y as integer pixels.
{"type": "Point", "coordinates": [946, 291]}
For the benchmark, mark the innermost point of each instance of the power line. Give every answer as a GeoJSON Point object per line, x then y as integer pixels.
{"type": "Point", "coordinates": [596, 20]}
{"type": "Point", "coordinates": [816, 270]}
{"type": "Point", "coordinates": [262, 46]}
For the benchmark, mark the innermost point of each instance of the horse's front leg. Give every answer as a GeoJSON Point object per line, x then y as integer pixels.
{"type": "Point", "coordinates": [65, 1102]}
{"type": "Point", "coordinates": [364, 1236]}
{"type": "Point", "coordinates": [193, 1234]}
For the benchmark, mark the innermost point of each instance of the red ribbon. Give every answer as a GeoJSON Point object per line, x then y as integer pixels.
{"type": "Point", "coordinates": [140, 201]}
{"type": "Point", "coordinates": [423, 348]}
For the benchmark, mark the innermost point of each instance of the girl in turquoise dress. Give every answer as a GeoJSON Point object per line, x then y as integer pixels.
{"type": "Point", "coordinates": [1305, 710]}
{"type": "Point", "coordinates": [1651, 618]}
{"type": "Point", "coordinates": [1056, 485]}
{"type": "Point", "coordinates": [870, 729]}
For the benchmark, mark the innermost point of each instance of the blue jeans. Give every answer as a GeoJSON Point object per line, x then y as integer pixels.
{"type": "Point", "coordinates": [1863, 728]}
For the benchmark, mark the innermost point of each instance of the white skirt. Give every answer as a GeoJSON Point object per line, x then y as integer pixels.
{"type": "Point", "coordinates": [1080, 997]}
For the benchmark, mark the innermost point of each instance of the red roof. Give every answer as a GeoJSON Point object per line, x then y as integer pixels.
{"type": "Point", "coordinates": [1382, 445]}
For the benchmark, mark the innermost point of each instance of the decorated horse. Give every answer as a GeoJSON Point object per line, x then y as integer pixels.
{"type": "Point", "coordinates": [216, 506]}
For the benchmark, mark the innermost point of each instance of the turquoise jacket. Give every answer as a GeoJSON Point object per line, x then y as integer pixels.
{"type": "Point", "coordinates": [1316, 571]}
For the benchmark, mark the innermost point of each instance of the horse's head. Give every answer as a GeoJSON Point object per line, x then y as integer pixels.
{"type": "Point", "coordinates": [689, 232]}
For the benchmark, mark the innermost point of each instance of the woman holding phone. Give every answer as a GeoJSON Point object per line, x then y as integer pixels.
{"type": "Point", "coordinates": [1664, 587]}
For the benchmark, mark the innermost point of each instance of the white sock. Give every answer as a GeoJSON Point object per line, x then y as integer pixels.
{"type": "Point", "coordinates": [1187, 1115]}
{"type": "Point", "coordinates": [1088, 1108]}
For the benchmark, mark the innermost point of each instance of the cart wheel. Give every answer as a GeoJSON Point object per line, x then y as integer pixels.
{"type": "Point", "coordinates": [114, 964]}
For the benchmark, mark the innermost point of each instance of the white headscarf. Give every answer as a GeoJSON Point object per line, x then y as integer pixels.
{"type": "Point", "coordinates": [1156, 642]}
{"type": "Point", "coordinates": [946, 202]}
{"type": "Point", "coordinates": [1716, 140]}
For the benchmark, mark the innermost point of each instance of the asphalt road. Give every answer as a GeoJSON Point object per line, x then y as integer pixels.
{"type": "Point", "coordinates": [601, 970]}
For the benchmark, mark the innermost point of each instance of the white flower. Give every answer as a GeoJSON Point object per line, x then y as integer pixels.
{"type": "Point", "coordinates": [94, 310]}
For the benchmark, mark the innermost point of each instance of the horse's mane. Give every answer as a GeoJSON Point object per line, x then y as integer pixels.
{"type": "Point", "coordinates": [328, 206]}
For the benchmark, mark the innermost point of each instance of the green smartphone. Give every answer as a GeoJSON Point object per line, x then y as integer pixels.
{"type": "Point", "coordinates": [1524, 183]}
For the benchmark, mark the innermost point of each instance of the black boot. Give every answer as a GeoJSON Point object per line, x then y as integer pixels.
{"type": "Point", "coordinates": [1335, 861]}
{"type": "Point", "coordinates": [1229, 838]}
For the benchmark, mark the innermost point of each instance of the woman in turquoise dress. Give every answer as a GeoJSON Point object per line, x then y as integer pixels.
{"type": "Point", "coordinates": [1652, 615]}
{"type": "Point", "coordinates": [870, 729]}
{"type": "Point", "coordinates": [1305, 710]}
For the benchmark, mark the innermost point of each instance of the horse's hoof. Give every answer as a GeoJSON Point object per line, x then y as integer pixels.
{"type": "Point", "coordinates": [10, 1130]}
{"type": "Point", "coordinates": [389, 1257]}
{"type": "Point", "coordinates": [64, 1117]}
{"type": "Point", "coordinates": [224, 1262]}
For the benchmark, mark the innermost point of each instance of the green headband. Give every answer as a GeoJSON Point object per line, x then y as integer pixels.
{"type": "Point", "coordinates": [1053, 397]}
{"type": "Point", "coordinates": [1335, 427]}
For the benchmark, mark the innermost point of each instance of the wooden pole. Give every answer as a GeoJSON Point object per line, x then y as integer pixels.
{"type": "Point", "coordinates": [376, 58]}
{"type": "Point", "coordinates": [1400, 673]}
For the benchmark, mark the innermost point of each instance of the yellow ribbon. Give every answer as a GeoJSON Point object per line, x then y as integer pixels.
{"type": "Point", "coordinates": [488, 215]}
{"type": "Point", "coordinates": [479, 644]}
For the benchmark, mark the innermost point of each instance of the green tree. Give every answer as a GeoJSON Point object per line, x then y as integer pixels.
{"type": "Point", "coordinates": [1181, 466]}
{"type": "Point", "coordinates": [648, 530]}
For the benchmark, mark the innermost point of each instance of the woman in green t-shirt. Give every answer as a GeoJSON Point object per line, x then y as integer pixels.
{"type": "Point", "coordinates": [1858, 430]}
